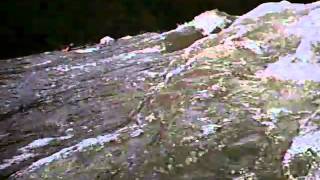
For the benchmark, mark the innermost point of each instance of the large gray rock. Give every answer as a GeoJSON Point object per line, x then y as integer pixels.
{"type": "Point", "coordinates": [209, 100]}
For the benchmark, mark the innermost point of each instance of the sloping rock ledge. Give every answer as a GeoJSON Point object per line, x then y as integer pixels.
{"type": "Point", "coordinates": [220, 97]}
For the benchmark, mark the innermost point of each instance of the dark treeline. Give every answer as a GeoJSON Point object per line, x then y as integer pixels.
{"type": "Point", "coordinates": [31, 26]}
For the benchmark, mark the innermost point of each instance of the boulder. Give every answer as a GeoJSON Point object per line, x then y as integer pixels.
{"type": "Point", "coordinates": [217, 98]}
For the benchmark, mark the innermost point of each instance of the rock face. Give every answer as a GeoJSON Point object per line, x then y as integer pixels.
{"type": "Point", "coordinates": [220, 97]}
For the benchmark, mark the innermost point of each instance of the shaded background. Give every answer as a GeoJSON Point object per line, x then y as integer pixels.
{"type": "Point", "coordinates": [33, 26]}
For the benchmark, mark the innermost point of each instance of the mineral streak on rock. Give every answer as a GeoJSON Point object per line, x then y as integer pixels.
{"type": "Point", "coordinates": [220, 97]}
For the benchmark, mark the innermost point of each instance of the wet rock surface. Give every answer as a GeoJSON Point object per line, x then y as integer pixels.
{"type": "Point", "coordinates": [220, 97]}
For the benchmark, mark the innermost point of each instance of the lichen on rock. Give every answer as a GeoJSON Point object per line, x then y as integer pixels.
{"type": "Point", "coordinates": [238, 99]}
